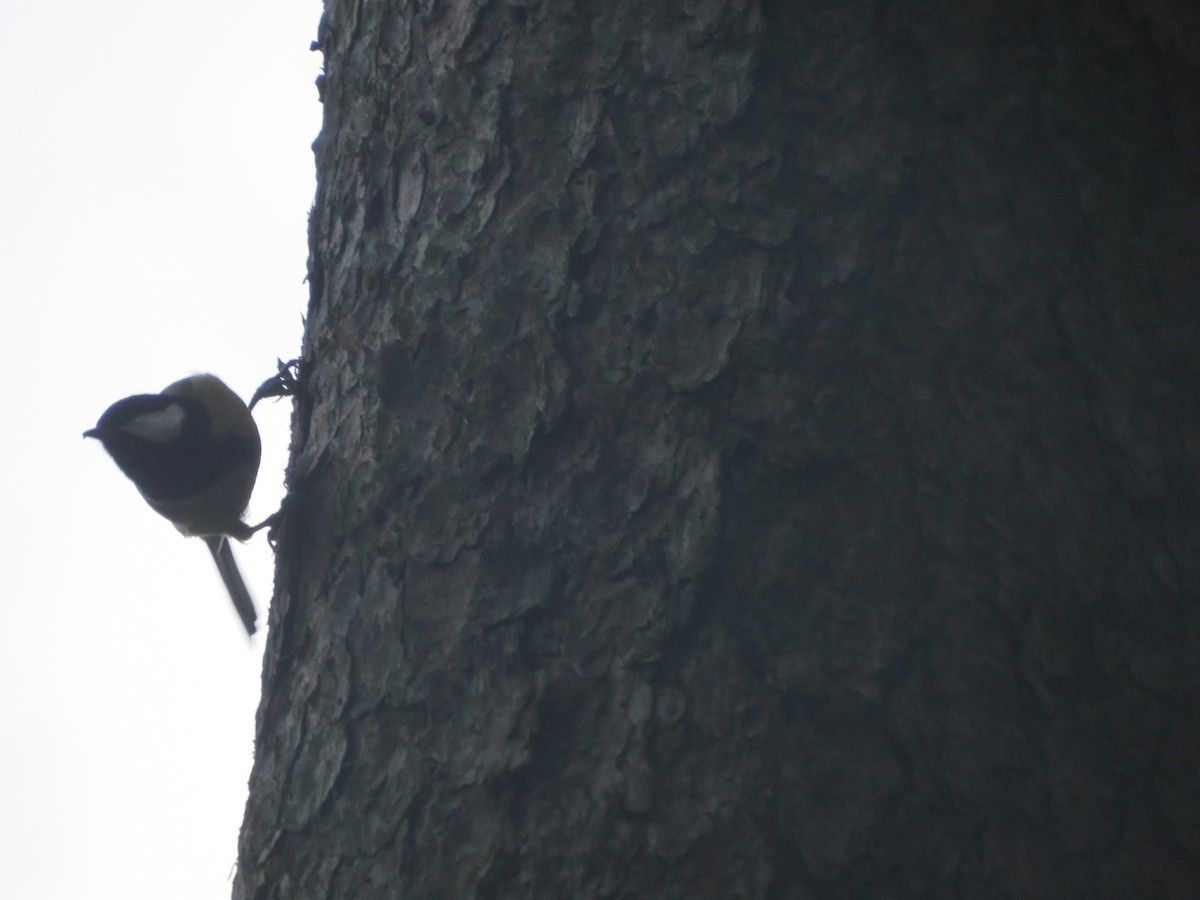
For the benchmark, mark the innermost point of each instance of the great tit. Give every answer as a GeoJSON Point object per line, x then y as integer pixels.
{"type": "Point", "coordinates": [192, 452]}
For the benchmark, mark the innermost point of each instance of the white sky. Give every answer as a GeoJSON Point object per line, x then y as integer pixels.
{"type": "Point", "coordinates": [155, 181]}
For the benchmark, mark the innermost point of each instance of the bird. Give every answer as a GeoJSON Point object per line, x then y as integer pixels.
{"type": "Point", "coordinates": [192, 451]}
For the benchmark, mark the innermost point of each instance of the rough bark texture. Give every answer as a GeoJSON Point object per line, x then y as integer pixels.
{"type": "Point", "coordinates": [747, 450]}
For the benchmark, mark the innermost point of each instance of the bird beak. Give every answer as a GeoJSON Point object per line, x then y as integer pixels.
{"type": "Point", "coordinates": [93, 433]}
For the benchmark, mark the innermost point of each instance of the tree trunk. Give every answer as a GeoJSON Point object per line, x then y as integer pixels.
{"type": "Point", "coordinates": [745, 450]}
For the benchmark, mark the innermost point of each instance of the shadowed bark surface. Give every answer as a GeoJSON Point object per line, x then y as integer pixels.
{"type": "Point", "coordinates": [746, 450]}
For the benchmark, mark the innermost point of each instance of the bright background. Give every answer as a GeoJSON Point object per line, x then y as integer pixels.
{"type": "Point", "coordinates": [155, 181]}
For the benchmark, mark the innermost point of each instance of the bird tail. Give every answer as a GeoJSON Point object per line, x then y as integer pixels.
{"type": "Point", "coordinates": [222, 554]}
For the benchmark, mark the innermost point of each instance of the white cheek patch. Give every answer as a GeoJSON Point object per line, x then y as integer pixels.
{"type": "Point", "coordinates": [162, 425]}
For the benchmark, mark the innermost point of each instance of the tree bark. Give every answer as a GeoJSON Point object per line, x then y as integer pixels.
{"type": "Point", "coordinates": [745, 450]}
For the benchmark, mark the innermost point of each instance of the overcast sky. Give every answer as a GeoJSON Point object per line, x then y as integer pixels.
{"type": "Point", "coordinates": [155, 179]}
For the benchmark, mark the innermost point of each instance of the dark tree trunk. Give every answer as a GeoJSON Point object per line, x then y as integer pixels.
{"type": "Point", "coordinates": [746, 450]}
